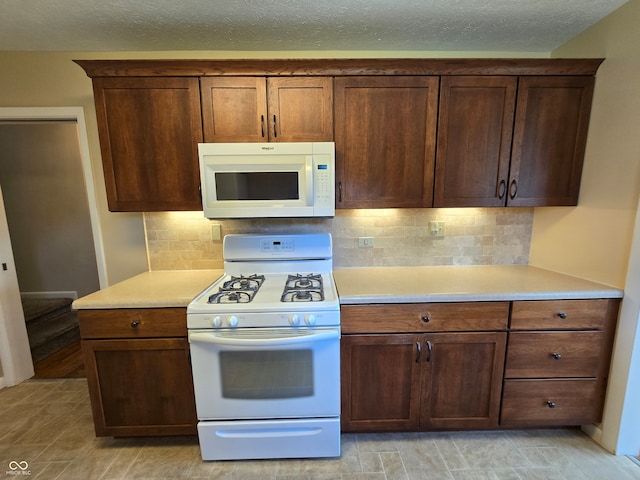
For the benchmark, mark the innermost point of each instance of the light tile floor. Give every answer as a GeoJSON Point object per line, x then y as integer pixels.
{"type": "Point", "coordinates": [46, 427]}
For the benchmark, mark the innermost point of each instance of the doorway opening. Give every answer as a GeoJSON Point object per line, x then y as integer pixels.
{"type": "Point", "coordinates": [51, 215]}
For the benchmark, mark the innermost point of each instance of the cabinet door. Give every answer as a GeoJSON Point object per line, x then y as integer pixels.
{"type": "Point", "coordinates": [380, 382]}
{"type": "Point", "coordinates": [385, 141]}
{"type": "Point", "coordinates": [234, 109]}
{"type": "Point", "coordinates": [549, 138]}
{"type": "Point", "coordinates": [259, 109]}
{"type": "Point", "coordinates": [149, 131]}
{"type": "Point", "coordinates": [474, 141]}
{"type": "Point", "coordinates": [300, 109]}
{"type": "Point", "coordinates": [140, 387]}
{"type": "Point", "coordinates": [462, 380]}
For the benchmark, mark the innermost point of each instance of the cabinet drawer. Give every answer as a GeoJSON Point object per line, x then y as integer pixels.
{"type": "Point", "coordinates": [424, 317]}
{"type": "Point", "coordinates": [133, 323]}
{"type": "Point", "coordinates": [553, 354]}
{"type": "Point", "coordinates": [559, 314]}
{"type": "Point", "coordinates": [549, 402]}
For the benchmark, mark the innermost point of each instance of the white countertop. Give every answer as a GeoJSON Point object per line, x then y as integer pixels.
{"type": "Point", "coordinates": [462, 284]}
{"type": "Point", "coordinates": [164, 288]}
{"type": "Point", "coordinates": [176, 288]}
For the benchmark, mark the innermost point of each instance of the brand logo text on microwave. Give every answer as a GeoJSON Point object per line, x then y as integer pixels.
{"type": "Point", "coordinates": [267, 148]}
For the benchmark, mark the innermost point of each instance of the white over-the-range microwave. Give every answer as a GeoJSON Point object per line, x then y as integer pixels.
{"type": "Point", "coordinates": [280, 179]}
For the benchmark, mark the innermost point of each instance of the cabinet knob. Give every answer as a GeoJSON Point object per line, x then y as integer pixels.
{"type": "Point", "coordinates": [551, 404]}
{"type": "Point", "coordinates": [426, 318]}
{"type": "Point", "coordinates": [562, 315]}
{"type": "Point", "coordinates": [557, 356]}
{"type": "Point", "coordinates": [135, 324]}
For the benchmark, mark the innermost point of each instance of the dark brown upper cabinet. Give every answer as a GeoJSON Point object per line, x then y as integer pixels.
{"type": "Point", "coordinates": [514, 141]}
{"type": "Point", "coordinates": [511, 132]}
{"type": "Point", "coordinates": [475, 124]}
{"type": "Point", "coordinates": [149, 131]}
{"type": "Point", "coordinates": [385, 130]}
{"type": "Point", "coordinates": [549, 139]}
{"type": "Point", "coordinates": [258, 109]}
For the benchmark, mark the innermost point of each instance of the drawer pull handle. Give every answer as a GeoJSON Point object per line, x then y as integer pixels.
{"type": "Point", "coordinates": [557, 356]}
{"type": "Point", "coordinates": [419, 347]}
{"type": "Point", "coordinates": [135, 324]}
{"type": "Point", "coordinates": [562, 315]}
{"type": "Point", "coordinates": [426, 318]}
{"type": "Point", "coordinates": [551, 404]}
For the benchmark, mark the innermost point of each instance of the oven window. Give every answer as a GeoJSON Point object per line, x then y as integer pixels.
{"type": "Point", "coordinates": [257, 186]}
{"type": "Point", "coordinates": [267, 374]}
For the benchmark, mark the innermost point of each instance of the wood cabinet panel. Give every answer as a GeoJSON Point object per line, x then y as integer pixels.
{"type": "Point", "coordinates": [380, 382]}
{"type": "Point", "coordinates": [462, 380]}
{"type": "Point", "coordinates": [385, 141]}
{"type": "Point", "coordinates": [475, 124]}
{"type": "Point", "coordinates": [140, 387]}
{"type": "Point", "coordinates": [234, 109]}
{"type": "Point", "coordinates": [549, 402]}
{"type": "Point", "coordinates": [553, 354]}
{"type": "Point", "coordinates": [259, 109]}
{"type": "Point", "coordinates": [149, 130]}
{"type": "Point", "coordinates": [300, 109]}
{"type": "Point", "coordinates": [441, 317]}
{"type": "Point", "coordinates": [138, 371]}
{"type": "Point", "coordinates": [133, 323]}
{"type": "Point", "coordinates": [559, 314]}
{"type": "Point", "coordinates": [549, 140]}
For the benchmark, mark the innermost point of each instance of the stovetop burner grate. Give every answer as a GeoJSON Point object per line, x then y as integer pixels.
{"type": "Point", "coordinates": [303, 288]}
{"type": "Point", "coordinates": [238, 289]}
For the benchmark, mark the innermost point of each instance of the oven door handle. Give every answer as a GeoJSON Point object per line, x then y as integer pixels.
{"type": "Point", "coordinates": [262, 342]}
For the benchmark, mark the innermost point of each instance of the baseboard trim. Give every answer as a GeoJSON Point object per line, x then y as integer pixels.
{"type": "Point", "coordinates": [61, 294]}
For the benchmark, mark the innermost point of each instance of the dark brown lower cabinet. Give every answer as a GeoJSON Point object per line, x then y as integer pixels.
{"type": "Point", "coordinates": [138, 372]}
{"type": "Point", "coordinates": [422, 381]}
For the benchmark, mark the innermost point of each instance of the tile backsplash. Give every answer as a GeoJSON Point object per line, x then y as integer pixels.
{"type": "Point", "coordinates": [401, 237]}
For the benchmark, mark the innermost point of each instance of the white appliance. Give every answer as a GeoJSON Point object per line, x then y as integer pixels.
{"type": "Point", "coordinates": [265, 351]}
{"type": "Point", "coordinates": [280, 179]}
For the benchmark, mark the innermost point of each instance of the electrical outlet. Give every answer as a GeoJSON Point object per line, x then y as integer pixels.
{"type": "Point", "coordinates": [215, 232]}
{"type": "Point", "coordinates": [436, 229]}
{"type": "Point", "coordinates": [365, 242]}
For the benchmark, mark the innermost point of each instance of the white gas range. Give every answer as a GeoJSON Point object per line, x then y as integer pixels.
{"type": "Point", "coordinates": [265, 351]}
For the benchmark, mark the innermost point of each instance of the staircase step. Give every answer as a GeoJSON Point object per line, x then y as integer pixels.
{"type": "Point", "coordinates": [46, 337]}
{"type": "Point", "coordinates": [37, 308]}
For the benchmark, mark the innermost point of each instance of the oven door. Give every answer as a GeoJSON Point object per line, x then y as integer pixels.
{"type": "Point", "coordinates": [265, 373]}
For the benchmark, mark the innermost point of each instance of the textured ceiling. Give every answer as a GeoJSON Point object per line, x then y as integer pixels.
{"type": "Point", "coordinates": [427, 25]}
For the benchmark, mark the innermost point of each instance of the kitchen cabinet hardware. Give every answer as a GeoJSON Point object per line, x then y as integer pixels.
{"type": "Point", "coordinates": [419, 348]}
{"type": "Point", "coordinates": [135, 324]}
{"type": "Point", "coordinates": [426, 318]}
{"type": "Point", "coordinates": [502, 189]}
{"type": "Point", "coordinates": [513, 189]}
{"type": "Point", "coordinates": [275, 129]}
{"type": "Point", "coordinates": [562, 315]}
{"type": "Point", "coordinates": [429, 350]}
{"type": "Point", "coordinates": [557, 356]}
{"type": "Point", "coordinates": [551, 404]}
{"type": "Point", "coordinates": [339, 191]}
{"type": "Point", "coordinates": [262, 125]}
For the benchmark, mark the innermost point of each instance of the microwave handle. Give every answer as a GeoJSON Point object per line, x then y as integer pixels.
{"type": "Point", "coordinates": [309, 180]}
{"type": "Point", "coordinates": [262, 342]}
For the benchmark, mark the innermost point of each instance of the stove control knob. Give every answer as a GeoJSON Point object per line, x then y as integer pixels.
{"type": "Point", "coordinates": [310, 319]}
{"type": "Point", "coordinates": [216, 321]}
{"type": "Point", "coordinates": [294, 319]}
{"type": "Point", "coordinates": [233, 321]}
